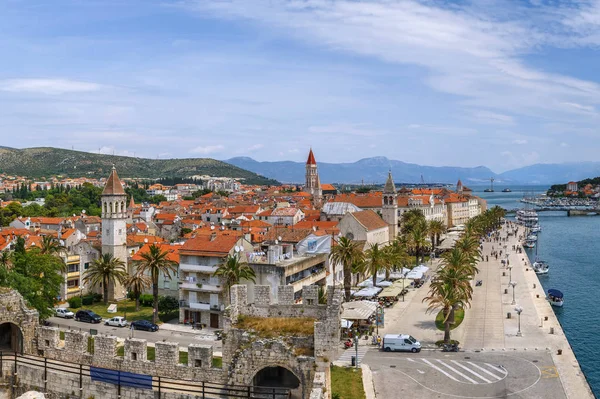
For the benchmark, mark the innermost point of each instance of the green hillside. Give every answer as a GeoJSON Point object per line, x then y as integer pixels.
{"type": "Point", "coordinates": [45, 162]}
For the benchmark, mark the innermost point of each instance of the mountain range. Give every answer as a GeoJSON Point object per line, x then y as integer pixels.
{"type": "Point", "coordinates": [46, 162]}
{"type": "Point", "coordinates": [374, 170]}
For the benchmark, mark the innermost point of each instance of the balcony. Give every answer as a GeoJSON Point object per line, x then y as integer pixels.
{"type": "Point", "coordinates": [72, 290]}
{"type": "Point", "coordinates": [201, 287]}
{"type": "Point", "coordinates": [72, 275]}
{"type": "Point", "coordinates": [199, 306]}
{"type": "Point", "coordinates": [185, 267]}
{"type": "Point", "coordinates": [309, 280]}
{"type": "Point", "coordinates": [72, 259]}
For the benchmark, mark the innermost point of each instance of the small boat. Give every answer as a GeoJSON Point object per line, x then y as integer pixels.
{"type": "Point", "coordinates": [507, 190]}
{"type": "Point", "coordinates": [529, 244]}
{"type": "Point", "coordinates": [488, 190]}
{"type": "Point", "coordinates": [540, 267]}
{"type": "Point", "coordinates": [555, 297]}
{"type": "Point", "coordinates": [532, 237]}
{"type": "Point", "coordinates": [536, 229]}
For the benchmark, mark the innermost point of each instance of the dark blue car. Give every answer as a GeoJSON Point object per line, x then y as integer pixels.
{"type": "Point", "coordinates": [144, 325]}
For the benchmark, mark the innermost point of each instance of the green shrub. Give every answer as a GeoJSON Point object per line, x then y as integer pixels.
{"type": "Point", "coordinates": [87, 300]}
{"type": "Point", "coordinates": [75, 302]}
{"type": "Point", "coordinates": [167, 303]}
{"type": "Point", "coordinates": [168, 316]}
{"type": "Point", "coordinates": [146, 300]}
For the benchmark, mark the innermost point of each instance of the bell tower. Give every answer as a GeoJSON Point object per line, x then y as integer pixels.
{"type": "Point", "coordinates": [389, 207]}
{"type": "Point", "coordinates": [114, 226]}
{"type": "Point", "coordinates": [313, 183]}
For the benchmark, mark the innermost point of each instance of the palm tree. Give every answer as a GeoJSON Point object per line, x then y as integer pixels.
{"type": "Point", "coordinates": [5, 260]}
{"type": "Point", "coordinates": [376, 259]}
{"type": "Point", "coordinates": [417, 239]}
{"type": "Point", "coordinates": [154, 262]}
{"type": "Point", "coordinates": [435, 229]}
{"type": "Point", "coordinates": [445, 297]}
{"type": "Point", "coordinates": [105, 270]}
{"type": "Point", "coordinates": [346, 253]}
{"type": "Point", "coordinates": [233, 271]}
{"type": "Point", "coordinates": [137, 283]}
{"type": "Point", "coordinates": [397, 256]}
{"type": "Point", "coordinates": [410, 219]}
{"type": "Point", "coordinates": [51, 246]}
{"type": "Point", "coordinates": [457, 259]}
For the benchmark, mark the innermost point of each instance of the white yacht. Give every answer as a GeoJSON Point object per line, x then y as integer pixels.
{"type": "Point", "coordinates": [555, 297]}
{"type": "Point", "coordinates": [540, 267]}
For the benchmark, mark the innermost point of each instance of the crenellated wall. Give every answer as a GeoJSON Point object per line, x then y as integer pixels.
{"type": "Point", "coordinates": [166, 362]}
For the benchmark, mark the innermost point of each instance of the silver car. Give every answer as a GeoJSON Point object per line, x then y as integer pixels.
{"type": "Point", "coordinates": [64, 313]}
{"type": "Point", "coordinates": [116, 321]}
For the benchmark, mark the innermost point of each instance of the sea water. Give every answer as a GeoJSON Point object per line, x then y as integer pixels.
{"type": "Point", "coordinates": [571, 246]}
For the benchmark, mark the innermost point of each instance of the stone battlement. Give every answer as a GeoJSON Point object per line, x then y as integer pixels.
{"type": "Point", "coordinates": [102, 352]}
{"type": "Point", "coordinates": [264, 305]}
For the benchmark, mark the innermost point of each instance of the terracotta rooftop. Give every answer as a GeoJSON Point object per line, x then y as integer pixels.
{"type": "Point", "coordinates": [370, 220]}
{"type": "Point", "coordinates": [210, 245]}
{"type": "Point", "coordinates": [311, 158]}
{"type": "Point", "coordinates": [113, 185]}
{"type": "Point", "coordinates": [172, 252]}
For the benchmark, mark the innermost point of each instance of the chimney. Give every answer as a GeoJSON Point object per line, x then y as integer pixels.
{"type": "Point", "coordinates": [213, 236]}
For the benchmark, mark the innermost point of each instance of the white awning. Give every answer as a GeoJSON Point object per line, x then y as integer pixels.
{"type": "Point", "coordinates": [346, 323]}
{"type": "Point", "coordinates": [367, 292]}
{"type": "Point", "coordinates": [358, 310]}
{"type": "Point", "coordinates": [384, 283]}
{"type": "Point", "coordinates": [414, 274]}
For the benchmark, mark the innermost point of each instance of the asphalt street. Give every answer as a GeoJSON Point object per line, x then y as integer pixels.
{"type": "Point", "coordinates": [435, 374]}
{"type": "Point", "coordinates": [182, 338]}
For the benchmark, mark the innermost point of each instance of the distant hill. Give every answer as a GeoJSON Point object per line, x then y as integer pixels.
{"type": "Point", "coordinates": [371, 170]}
{"type": "Point", "coordinates": [553, 173]}
{"type": "Point", "coordinates": [45, 161]}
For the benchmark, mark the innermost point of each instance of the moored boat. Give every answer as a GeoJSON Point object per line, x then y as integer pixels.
{"type": "Point", "coordinates": [507, 190]}
{"type": "Point", "coordinates": [555, 297]}
{"type": "Point", "coordinates": [529, 244]}
{"type": "Point", "coordinates": [540, 267]}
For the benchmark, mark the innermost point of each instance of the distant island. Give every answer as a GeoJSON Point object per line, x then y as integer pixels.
{"type": "Point", "coordinates": [47, 161]}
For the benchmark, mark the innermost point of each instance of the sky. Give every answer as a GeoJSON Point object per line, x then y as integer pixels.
{"type": "Point", "coordinates": [502, 83]}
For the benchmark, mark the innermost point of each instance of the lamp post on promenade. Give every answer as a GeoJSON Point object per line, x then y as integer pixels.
{"type": "Point", "coordinates": [513, 284]}
{"type": "Point", "coordinates": [519, 309]}
{"type": "Point", "coordinates": [509, 273]}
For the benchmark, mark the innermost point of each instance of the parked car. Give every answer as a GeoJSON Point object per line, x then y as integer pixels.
{"type": "Point", "coordinates": [64, 313]}
{"type": "Point", "coordinates": [88, 316]}
{"type": "Point", "coordinates": [400, 342]}
{"type": "Point", "coordinates": [117, 321]}
{"type": "Point", "coordinates": [144, 325]}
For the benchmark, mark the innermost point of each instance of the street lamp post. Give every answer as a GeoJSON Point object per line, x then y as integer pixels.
{"type": "Point", "coordinates": [356, 348]}
{"type": "Point", "coordinates": [81, 287]}
{"type": "Point", "coordinates": [510, 273]}
{"type": "Point", "coordinates": [513, 284]}
{"type": "Point", "coordinates": [519, 309]}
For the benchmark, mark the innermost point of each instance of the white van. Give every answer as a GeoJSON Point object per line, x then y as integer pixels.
{"type": "Point", "coordinates": [400, 342]}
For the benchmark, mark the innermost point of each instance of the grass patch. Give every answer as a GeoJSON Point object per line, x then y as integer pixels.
{"type": "Point", "coordinates": [277, 326]}
{"type": "Point", "coordinates": [91, 345]}
{"type": "Point", "coordinates": [347, 383]}
{"type": "Point", "coordinates": [217, 362]}
{"type": "Point", "coordinates": [304, 352]}
{"type": "Point", "coordinates": [61, 335]}
{"type": "Point", "coordinates": [124, 308]}
{"type": "Point", "coordinates": [459, 316]}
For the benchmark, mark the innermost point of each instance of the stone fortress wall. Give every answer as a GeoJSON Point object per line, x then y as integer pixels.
{"type": "Point", "coordinates": [244, 354]}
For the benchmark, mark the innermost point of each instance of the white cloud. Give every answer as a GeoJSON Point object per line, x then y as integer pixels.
{"type": "Point", "coordinates": [520, 141]}
{"type": "Point", "coordinates": [209, 149]}
{"type": "Point", "coordinates": [47, 86]}
{"type": "Point", "coordinates": [563, 144]}
{"type": "Point", "coordinates": [255, 147]}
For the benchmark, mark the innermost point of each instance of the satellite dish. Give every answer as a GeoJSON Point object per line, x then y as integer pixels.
{"type": "Point", "coordinates": [146, 240]}
{"type": "Point", "coordinates": [276, 242]}
{"type": "Point", "coordinates": [237, 249]}
{"type": "Point", "coordinates": [279, 238]}
{"type": "Point", "coordinates": [83, 211]}
{"type": "Point", "coordinates": [212, 227]}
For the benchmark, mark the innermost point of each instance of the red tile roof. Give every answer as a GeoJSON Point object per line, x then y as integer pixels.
{"type": "Point", "coordinates": [172, 252]}
{"type": "Point", "coordinates": [113, 185]}
{"type": "Point", "coordinates": [369, 219]}
{"type": "Point", "coordinates": [311, 158]}
{"type": "Point", "coordinates": [209, 245]}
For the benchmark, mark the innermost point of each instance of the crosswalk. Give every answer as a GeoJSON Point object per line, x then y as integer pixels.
{"type": "Point", "coordinates": [465, 371]}
{"type": "Point", "coordinates": [348, 353]}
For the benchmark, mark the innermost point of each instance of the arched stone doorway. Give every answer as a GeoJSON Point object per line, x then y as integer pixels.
{"type": "Point", "coordinates": [11, 338]}
{"type": "Point", "coordinates": [278, 377]}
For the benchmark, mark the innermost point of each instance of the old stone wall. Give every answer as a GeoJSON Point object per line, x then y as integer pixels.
{"type": "Point", "coordinates": [14, 310]}
{"type": "Point", "coordinates": [134, 360]}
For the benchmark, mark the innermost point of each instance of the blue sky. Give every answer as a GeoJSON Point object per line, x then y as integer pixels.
{"type": "Point", "coordinates": [497, 83]}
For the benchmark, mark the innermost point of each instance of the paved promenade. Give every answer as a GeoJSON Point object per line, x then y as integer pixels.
{"type": "Point", "coordinates": [487, 331]}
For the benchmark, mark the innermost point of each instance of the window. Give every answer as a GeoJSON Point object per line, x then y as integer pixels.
{"type": "Point", "coordinates": [107, 232]}
{"type": "Point", "coordinates": [120, 232]}
{"type": "Point", "coordinates": [72, 283]}
{"type": "Point", "coordinates": [86, 265]}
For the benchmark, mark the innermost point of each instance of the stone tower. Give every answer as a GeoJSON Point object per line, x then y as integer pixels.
{"type": "Point", "coordinates": [313, 183]}
{"type": "Point", "coordinates": [389, 208]}
{"type": "Point", "coordinates": [114, 226]}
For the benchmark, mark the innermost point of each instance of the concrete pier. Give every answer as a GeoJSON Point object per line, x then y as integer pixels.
{"type": "Point", "coordinates": [488, 326]}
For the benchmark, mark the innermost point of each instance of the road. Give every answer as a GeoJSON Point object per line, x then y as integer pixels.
{"type": "Point", "coordinates": [435, 374]}
{"type": "Point", "coordinates": [182, 338]}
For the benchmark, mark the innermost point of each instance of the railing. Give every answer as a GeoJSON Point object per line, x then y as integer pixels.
{"type": "Point", "coordinates": [73, 274]}
{"type": "Point", "coordinates": [159, 385]}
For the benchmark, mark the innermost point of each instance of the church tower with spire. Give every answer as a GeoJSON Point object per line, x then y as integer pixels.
{"type": "Point", "coordinates": [313, 183]}
{"type": "Point", "coordinates": [114, 226]}
{"type": "Point", "coordinates": [389, 208]}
